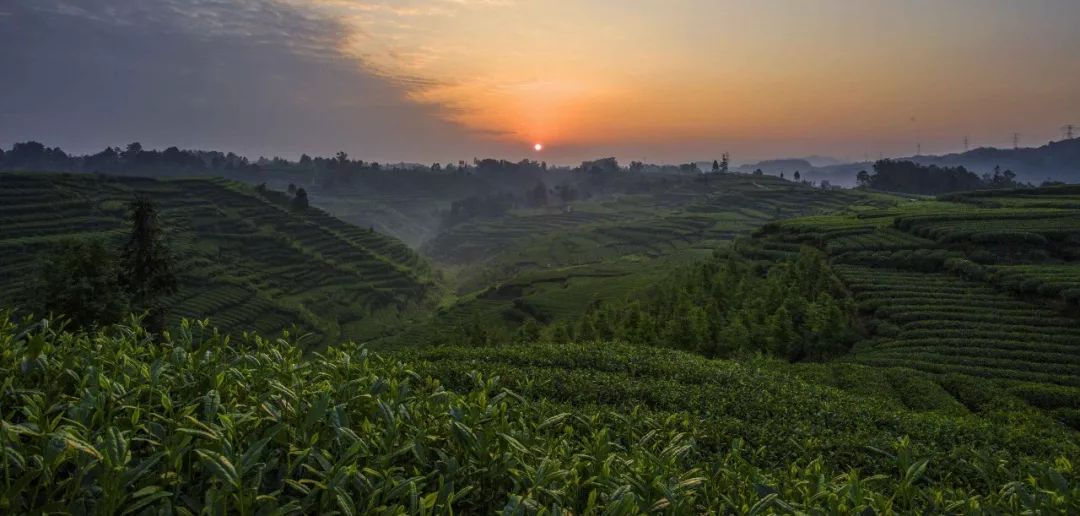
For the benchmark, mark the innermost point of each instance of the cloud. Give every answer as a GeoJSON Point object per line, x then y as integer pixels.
{"type": "Point", "coordinates": [257, 76]}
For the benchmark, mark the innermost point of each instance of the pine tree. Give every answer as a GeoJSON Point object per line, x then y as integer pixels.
{"type": "Point", "coordinates": [147, 266]}
{"type": "Point", "coordinates": [300, 201]}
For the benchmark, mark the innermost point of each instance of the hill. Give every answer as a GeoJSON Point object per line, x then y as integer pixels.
{"type": "Point", "coordinates": [244, 257]}
{"type": "Point", "coordinates": [582, 429]}
{"type": "Point", "coordinates": [1055, 161]}
{"type": "Point", "coordinates": [541, 266]}
{"type": "Point", "coordinates": [982, 284]}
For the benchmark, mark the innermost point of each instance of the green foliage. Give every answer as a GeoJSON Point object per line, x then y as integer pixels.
{"type": "Point", "coordinates": [81, 280]}
{"type": "Point", "coordinates": [984, 285]}
{"type": "Point", "coordinates": [725, 307]}
{"type": "Point", "coordinates": [300, 200]}
{"type": "Point", "coordinates": [911, 177]}
{"type": "Point", "coordinates": [239, 256]}
{"type": "Point", "coordinates": [147, 265]}
{"type": "Point", "coordinates": [110, 422]}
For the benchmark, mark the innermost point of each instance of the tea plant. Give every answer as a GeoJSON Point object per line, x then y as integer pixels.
{"type": "Point", "coordinates": [112, 422]}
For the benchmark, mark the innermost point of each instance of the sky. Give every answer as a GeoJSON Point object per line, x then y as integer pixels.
{"type": "Point", "coordinates": [656, 80]}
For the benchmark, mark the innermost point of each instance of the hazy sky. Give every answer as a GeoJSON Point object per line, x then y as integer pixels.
{"type": "Point", "coordinates": [671, 80]}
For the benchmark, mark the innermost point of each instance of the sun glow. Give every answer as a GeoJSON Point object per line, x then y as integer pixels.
{"type": "Point", "coordinates": [538, 147]}
{"type": "Point", "coordinates": [542, 72]}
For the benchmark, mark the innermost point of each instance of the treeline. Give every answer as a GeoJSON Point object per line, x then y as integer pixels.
{"type": "Point", "coordinates": [131, 159]}
{"type": "Point", "coordinates": [498, 204]}
{"type": "Point", "coordinates": [911, 177]}
{"type": "Point", "coordinates": [724, 307]}
{"type": "Point", "coordinates": [33, 155]}
{"type": "Point", "coordinates": [727, 306]}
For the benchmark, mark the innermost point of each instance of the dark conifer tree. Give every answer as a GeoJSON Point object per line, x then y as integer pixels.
{"type": "Point", "coordinates": [300, 201]}
{"type": "Point", "coordinates": [147, 269]}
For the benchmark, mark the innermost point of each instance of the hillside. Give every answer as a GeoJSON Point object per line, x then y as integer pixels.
{"type": "Point", "coordinates": [1057, 161]}
{"type": "Point", "coordinates": [958, 397]}
{"type": "Point", "coordinates": [984, 284]}
{"type": "Point", "coordinates": [669, 213]}
{"type": "Point", "coordinates": [582, 429]}
{"type": "Point", "coordinates": [540, 266]}
{"type": "Point", "coordinates": [244, 257]}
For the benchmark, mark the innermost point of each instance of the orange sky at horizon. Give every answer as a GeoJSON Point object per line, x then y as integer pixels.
{"type": "Point", "coordinates": [844, 76]}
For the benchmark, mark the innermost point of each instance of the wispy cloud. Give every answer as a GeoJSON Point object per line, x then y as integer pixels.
{"type": "Point", "coordinates": [258, 76]}
{"type": "Point", "coordinates": [840, 75]}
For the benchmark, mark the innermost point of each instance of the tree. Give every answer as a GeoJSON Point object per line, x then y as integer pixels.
{"type": "Point", "coordinates": [538, 195]}
{"type": "Point", "coordinates": [863, 178]}
{"type": "Point", "coordinates": [132, 153]}
{"type": "Point", "coordinates": [689, 168]}
{"type": "Point", "coordinates": [292, 189]}
{"type": "Point", "coordinates": [146, 265]}
{"type": "Point", "coordinates": [797, 175]}
{"type": "Point", "coordinates": [300, 201]}
{"type": "Point", "coordinates": [34, 155]}
{"type": "Point", "coordinates": [567, 193]}
{"type": "Point", "coordinates": [911, 177]}
{"type": "Point", "coordinates": [79, 279]}
{"type": "Point", "coordinates": [715, 166]}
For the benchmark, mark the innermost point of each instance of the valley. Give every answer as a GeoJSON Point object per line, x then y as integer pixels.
{"type": "Point", "coordinates": [941, 362]}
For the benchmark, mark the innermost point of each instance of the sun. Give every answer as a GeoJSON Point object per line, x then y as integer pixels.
{"type": "Point", "coordinates": [538, 147]}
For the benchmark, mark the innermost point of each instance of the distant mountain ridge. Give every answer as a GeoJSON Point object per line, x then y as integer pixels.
{"type": "Point", "coordinates": [1055, 161]}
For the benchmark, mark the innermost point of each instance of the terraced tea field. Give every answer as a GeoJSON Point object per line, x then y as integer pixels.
{"type": "Point", "coordinates": [943, 324]}
{"type": "Point", "coordinates": [602, 428]}
{"type": "Point", "coordinates": [550, 265]}
{"type": "Point", "coordinates": [984, 285]}
{"type": "Point", "coordinates": [681, 215]}
{"type": "Point", "coordinates": [244, 258]}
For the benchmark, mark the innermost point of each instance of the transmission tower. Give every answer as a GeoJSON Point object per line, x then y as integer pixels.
{"type": "Point", "coordinates": [966, 147]}
{"type": "Point", "coordinates": [1068, 130]}
{"type": "Point", "coordinates": [918, 149]}
{"type": "Point", "coordinates": [1016, 140]}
